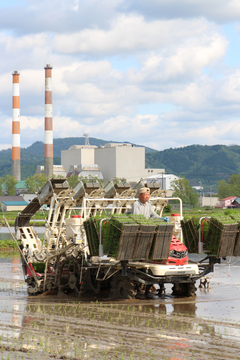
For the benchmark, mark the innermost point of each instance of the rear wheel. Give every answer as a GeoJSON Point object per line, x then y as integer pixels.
{"type": "Point", "coordinates": [93, 284]}
{"type": "Point", "coordinates": [89, 286]}
{"type": "Point", "coordinates": [69, 274]}
{"type": "Point", "coordinates": [184, 289]}
{"type": "Point", "coordinates": [123, 287]}
{"type": "Point", "coordinates": [192, 289]}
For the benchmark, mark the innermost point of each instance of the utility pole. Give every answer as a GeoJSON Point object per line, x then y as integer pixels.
{"type": "Point", "coordinates": [211, 196]}
{"type": "Point", "coordinates": [200, 194]}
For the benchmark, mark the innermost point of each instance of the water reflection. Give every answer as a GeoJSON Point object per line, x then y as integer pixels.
{"type": "Point", "coordinates": [71, 327]}
{"type": "Point", "coordinates": [183, 309]}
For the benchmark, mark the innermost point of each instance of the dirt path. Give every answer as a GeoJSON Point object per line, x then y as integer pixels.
{"type": "Point", "coordinates": [63, 327]}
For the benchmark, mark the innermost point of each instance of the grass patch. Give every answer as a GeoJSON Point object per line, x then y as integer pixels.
{"type": "Point", "coordinates": [8, 245]}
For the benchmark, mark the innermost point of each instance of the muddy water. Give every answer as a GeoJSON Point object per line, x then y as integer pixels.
{"type": "Point", "coordinates": [63, 327]}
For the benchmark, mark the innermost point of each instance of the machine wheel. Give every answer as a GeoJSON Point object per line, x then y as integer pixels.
{"type": "Point", "coordinates": [89, 286]}
{"type": "Point", "coordinates": [69, 275]}
{"type": "Point", "coordinates": [184, 289]}
{"type": "Point", "coordinates": [33, 288]}
{"type": "Point", "coordinates": [161, 289]}
{"type": "Point", "coordinates": [123, 287]}
{"type": "Point", "coordinates": [192, 289]}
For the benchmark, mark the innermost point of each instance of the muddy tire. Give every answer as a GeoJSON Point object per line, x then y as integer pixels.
{"type": "Point", "coordinates": [68, 277]}
{"type": "Point", "coordinates": [184, 289]}
{"type": "Point", "coordinates": [123, 287]}
{"type": "Point", "coordinates": [192, 289]}
{"type": "Point", "coordinates": [89, 285]}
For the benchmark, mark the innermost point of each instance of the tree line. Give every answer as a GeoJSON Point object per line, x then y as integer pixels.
{"type": "Point", "coordinates": [231, 187]}
{"type": "Point", "coordinates": [180, 187]}
{"type": "Point", "coordinates": [34, 183]}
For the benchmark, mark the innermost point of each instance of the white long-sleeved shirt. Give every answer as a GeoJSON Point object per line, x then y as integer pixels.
{"type": "Point", "coordinates": [139, 208]}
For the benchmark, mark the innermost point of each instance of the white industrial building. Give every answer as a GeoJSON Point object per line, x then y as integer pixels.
{"type": "Point", "coordinates": [78, 155]}
{"type": "Point", "coordinates": [113, 159]}
{"type": "Point", "coordinates": [57, 170]}
{"type": "Point", "coordinates": [85, 171]}
{"type": "Point", "coordinates": [163, 179]}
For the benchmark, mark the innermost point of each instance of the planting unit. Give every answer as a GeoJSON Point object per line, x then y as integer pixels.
{"type": "Point", "coordinates": [94, 247]}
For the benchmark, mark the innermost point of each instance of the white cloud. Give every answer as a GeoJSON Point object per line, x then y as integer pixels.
{"type": "Point", "coordinates": [129, 34]}
{"type": "Point", "coordinates": [229, 91]}
{"type": "Point", "coordinates": [32, 123]}
{"type": "Point", "coordinates": [25, 42]}
{"type": "Point", "coordinates": [86, 71]}
{"type": "Point", "coordinates": [66, 127]}
{"type": "Point", "coordinates": [127, 75]}
{"type": "Point", "coordinates": [183, 61]}
{"type": "Point", "coordinates": [214, 10]}
{"type": "Point", "coordinates": [31, 130]}
{"type": "Point", "coordinates": [57, 16]}
{"type": "Point", "coordinates": [202, 134]}
{"type": "Point", "coordinates": [5, 146]}
{"type": "Point", "coordinates": [118, 128]}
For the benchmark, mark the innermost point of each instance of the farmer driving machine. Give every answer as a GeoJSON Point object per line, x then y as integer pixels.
{"type": "Point", "coordinates": [94, 246]}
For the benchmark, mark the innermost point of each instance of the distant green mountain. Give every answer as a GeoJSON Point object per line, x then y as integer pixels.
{"type": "Point", "coordinates": [197, 163]}
{"type": "Point", "coordinates": [37, 148]}
{"type": "Point", "coordinates": [29, 162]}
{"type": "Point", "coordinates": [34, 154]}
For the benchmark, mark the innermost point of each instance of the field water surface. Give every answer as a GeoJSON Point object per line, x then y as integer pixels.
{"type": "Point", "coordinates": [64, 327]}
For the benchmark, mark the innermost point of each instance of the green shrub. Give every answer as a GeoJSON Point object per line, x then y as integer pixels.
{"type": "Point", "coordinates": [168, 209]}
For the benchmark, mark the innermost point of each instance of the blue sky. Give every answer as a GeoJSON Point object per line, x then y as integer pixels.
{"type": "Point", "coordinates": [233, 52]}
{"type": "Point", "coordinates": [12, 3]}
{"type": "Point", "coordinates": [160, 73]}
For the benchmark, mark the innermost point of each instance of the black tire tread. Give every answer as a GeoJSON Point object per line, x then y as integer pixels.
{"type": "Point", "coordinates": [123, 287]}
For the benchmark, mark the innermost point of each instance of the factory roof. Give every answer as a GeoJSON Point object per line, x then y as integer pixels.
{"type": "Point", "coordinates": [159, 176]}
{"type": "Point", "coordinates": [112, 145]}
{"type": "Point", "coordinates": [229, 198]}
{"type": "Point", "coordinates": [76, 147]}
{"type": "Point", "coordinates": [15, 203]}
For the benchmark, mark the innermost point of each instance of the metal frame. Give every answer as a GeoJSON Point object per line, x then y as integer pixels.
{"type": "Point", "coordinates": [63, 200]}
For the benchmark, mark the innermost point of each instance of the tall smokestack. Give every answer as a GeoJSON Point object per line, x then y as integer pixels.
{"type": "Point", "coordinates": [16, 160]}
{"type": "Point", "coordinates": [48, 133]}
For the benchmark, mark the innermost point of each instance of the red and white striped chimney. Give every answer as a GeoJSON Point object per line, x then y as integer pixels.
{"type": "Point", "coordinates": [16, 160]}
{"type": "Point", "coordinates": [48, 133]}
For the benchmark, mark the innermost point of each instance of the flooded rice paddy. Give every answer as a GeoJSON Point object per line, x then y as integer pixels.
{"type": "Point", "coordinates": [65, 327]}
